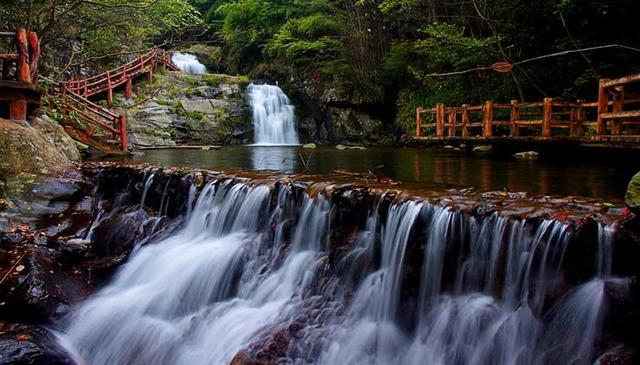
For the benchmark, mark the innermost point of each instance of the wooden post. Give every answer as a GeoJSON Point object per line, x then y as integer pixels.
{"type": "Point", "coordinates": [124, 72]}
{"type": "Point", "coordinates": [150, 77]}
{"type": "Point", "coordinates": [22, 72]}
{"type": "Point", "coordinates": [603, 107]}
{"type": "Point", "coordinates": [124, 145]}
{"type": "Point", "coordinates": [618, 106]}
{"type": "Point", "coordinates": [452, 122]}
{"type": "Point", "coordinates": [465, 120]}
{"type": "Point", "coordinates": [440, 120]}
{"type": "Point", "coordinates": [85, 89]}
{"type": "Point", "coordinates": [18, 109]}
{"type": "Point", "coordinates": [419, 121]}
{"type": "Point", "coordinates": [109, 89]}
{"type": "Point", "coordinates": [515, 117]}
{"type": "Point", "coordinates": [34, 56]}
{"type": "Point", "coordinates": [579, 120]}
{"type": "Point", "coordinates": [128, 89]}
{"type": "Point", "coordinates": [547, 117]}
{"type": "Point", "coordinates": [487, 127]}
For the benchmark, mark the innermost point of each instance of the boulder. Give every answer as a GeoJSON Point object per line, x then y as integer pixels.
{"type": "Point", "coordinates": [56, 135]}
{"type": "Point", "coordinates": [28, 150]}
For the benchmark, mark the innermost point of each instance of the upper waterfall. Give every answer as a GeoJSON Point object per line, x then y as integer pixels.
{"type": "Point", "coordinates": [188, 63]}
{"type": "Point", "coordinates": [273, 116]}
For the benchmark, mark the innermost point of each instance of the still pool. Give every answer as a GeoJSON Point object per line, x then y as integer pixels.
{"type": "Point", "coordinates": [418, 166]}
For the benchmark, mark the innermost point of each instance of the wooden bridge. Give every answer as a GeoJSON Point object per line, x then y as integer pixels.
{"type": "Point", "coordinates": [83, 120]}
{"type": "Point", "coordinates": [613, 118]}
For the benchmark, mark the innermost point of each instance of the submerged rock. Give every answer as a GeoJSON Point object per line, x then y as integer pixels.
{"type": "Point", "coordinates": [528, 155]}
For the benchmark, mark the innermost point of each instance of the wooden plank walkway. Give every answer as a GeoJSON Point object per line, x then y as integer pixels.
{"type": "Point", "coordinates": [613, 118]}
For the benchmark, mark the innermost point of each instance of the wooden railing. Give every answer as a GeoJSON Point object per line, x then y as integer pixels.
{"type": "Point", "coordinates": [75, 94]}
{"type": "Point", "coordinates": [123, 75]}
{"type": "Point", "coordinates": [19, 71]}
{"type": "Point", "coordinates": [615, 114]}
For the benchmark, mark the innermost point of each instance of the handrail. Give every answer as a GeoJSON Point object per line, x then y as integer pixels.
{"type": "Point", "coordinates": [612, 118]}
{"type": "Point", "coordinates": [75, 93]}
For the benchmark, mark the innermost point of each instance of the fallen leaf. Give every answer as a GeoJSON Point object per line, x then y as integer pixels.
{"type": "Point", "coordinates": [20, 268]}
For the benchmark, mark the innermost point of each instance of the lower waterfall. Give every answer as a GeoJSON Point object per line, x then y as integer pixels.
{"type": "Point", "coordinates": [255, 271]}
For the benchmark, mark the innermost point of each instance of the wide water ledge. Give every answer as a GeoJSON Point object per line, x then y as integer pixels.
{"type": "Point", "coordinates": [297, 269]}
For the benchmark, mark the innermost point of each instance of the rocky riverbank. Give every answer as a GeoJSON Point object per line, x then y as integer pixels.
{"type": "Point", "coordinates": [68, 234]}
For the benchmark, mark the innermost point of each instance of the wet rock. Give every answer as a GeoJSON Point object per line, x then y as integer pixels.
{"type": "Point", "coordinates": [38, 286]}
{"type": "Point", "coordinates": [244, 358]}
{"type": "Point", "coordinates": [30, 345]}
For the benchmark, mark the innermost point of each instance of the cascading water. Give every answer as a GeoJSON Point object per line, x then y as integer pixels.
{"type": "Point", "coordinates": [255, 269]}
{"type": "Point", "coordinates": [273, 116]}
{"type": "Point", "coordinates": [188, 63]}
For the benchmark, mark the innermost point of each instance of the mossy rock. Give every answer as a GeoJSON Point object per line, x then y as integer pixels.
{"type": "Point", "coordinates": [632, 198]}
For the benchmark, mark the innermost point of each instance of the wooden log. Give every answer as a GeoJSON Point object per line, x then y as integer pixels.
{"type": "Point", "coordinates": [124, 144]}
{"type": "Point", "coordinates": [453, 116]}
{"type": "Point", "coordinates": [487, 128]}
{"type": "Point", "coordinates": [621, 81]}
{"type": "Point", "coordinates": [618, 106]}
{"type": "Point", "coordinates": [515, 116]}
{"type": "Point", "coordinates": [465, 121]}
{"type": "Point", "coordinates": [440, 120]}
{"type": "Point", "coordinates": [547, 117]}
{"type": "Point", "coordinates": [109, 89]}
{"type": "Point", "coordinates": [18, 109]}
{"type": "Point", "coordinates": [23, 71]}
{"type": "Point", "coordinates": [419, 121]}
{"type": "Point", "coordinates": [603, 107]}
{"type": "Point", "coordinates": [34, 56]}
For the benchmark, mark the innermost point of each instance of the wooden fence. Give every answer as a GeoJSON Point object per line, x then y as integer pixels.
{"type": "Point", "coordinates": [616, 115]}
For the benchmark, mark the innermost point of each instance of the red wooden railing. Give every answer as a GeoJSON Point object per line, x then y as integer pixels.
{"type": "Point", "coordinates": [123, 75]}
{"type": "Point", "coordinates": [75, 94]}
{"type": "Point", "coordinates": [19, 71]}
{"type": "Point", "coordinates": [541, 119]}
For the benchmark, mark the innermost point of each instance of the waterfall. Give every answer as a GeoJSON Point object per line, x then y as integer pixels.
{"type": "Point", "coordinates": [188, 63]}
{"type": "Point", "coordinates": [255, 270]}
{"type": "Point", "coordinates": [273, 116]}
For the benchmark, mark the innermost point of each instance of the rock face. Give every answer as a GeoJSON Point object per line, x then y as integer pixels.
{"type": "Point", "coordinates": [190, 109]}
{"type": "Point", "coordinates": [30, 345]}
{"type": "Point", "coordinates": [334, 113]}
